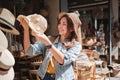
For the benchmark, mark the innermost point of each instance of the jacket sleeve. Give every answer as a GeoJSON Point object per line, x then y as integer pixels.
{"type": "Point", "coordinates": [72, 54]}
{"type": "Point", "coordinates": [36, 48]}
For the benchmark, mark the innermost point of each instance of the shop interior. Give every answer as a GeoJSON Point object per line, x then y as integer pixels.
{"type": "Point", "coordinates": [100, 34]}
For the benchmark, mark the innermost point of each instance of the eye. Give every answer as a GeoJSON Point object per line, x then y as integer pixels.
{"type": "Point", "coordinates": [64, 23]}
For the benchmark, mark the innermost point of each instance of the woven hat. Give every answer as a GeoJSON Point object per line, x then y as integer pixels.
{"type": "Point", "coordinates": [7, 21]}
{"type": "Point", "coordinates": [6, 59]}
{"type": "Point", "coordinates": [9, 75]}
{"type": "Point", "coordinates": [76, 21]}
{"type": "Point", "coordinates": [36, 22]}
{"type": "Point", "coordinates": [61, 14]}
{"type": "Point", "coordinates": [3, 41]}
{"type": "Point", "coordinates": [6, 65]}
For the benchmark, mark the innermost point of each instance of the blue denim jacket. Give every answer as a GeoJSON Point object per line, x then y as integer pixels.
{"type": "Point", "coordinates": [64, 71]}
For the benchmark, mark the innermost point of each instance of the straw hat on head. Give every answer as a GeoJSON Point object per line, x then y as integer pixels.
{"type": "Point", "coordinates": [7, 21]}
{"type": "Point", "coordinates": [36, 22]}
{"type": "Point", "coordinates": [76, 21]}
{"type": "Point", "coordinates": [61, 14]}
{"type": "Point", "coordinates": [6, 60]}
{"type": "Point", "coordinates": [9, 76]}
{"type": "Point", "coordinates": [77, 25]}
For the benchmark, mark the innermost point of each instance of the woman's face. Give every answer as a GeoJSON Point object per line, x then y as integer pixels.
{"type": "Point", "coordinates": [62, 27]}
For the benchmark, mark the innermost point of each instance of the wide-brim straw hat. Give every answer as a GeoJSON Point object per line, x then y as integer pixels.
{"type": "Point", "coordinates": [6, 59]}
{"type": "Point", "coordinates": [36, 22]}
{"type": "Point", "coordinates": [3, 41]}
{"type": "Point", "coordinates": [76, 22]}
{"type": "Point", "coordinates": [9, 76]}
{"type": "Point", "coordinates": [6, 64]}
{"type": "Point", "coordinates": [7, 20]}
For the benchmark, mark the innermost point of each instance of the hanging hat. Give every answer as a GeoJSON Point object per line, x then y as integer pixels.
{"type": "Point", "coordinates": [36, 22]}
{"type": "Point", "coordinates": [6, 59]}
{"type": "Point", "coordinates": [9, 75]}
{"type": "Point", "coordinates": [6, 65]}
{"type": "Point", "coordinates": [3, 41]}
{"type": "Point", "coordinates": [7, 21]}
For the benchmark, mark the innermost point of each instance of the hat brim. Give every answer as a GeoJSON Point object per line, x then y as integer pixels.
{"type": "Point", "coordinates": [9, 75]}
{"type": "Point", "coordinates": [33, 24]}
{"type": "Point", "coordinates": [61, 14]}
{"type": "Point", "coordinates": [8, 27]}
{"type": "Point", "coordinates": [3, 41]}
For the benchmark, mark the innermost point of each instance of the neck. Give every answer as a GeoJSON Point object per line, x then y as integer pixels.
{"type": "Point", "coordinates": [62, 38]}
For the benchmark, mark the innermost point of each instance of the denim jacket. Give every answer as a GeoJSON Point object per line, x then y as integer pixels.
{"type": "Point", "coordinates": [64, 71]}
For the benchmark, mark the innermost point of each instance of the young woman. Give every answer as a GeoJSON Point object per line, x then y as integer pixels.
{"type": "Point", "coordinates": [61, 51]}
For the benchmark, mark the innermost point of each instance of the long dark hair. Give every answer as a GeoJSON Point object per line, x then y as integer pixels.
{"type": "Point", "coordinates": [70, 25]}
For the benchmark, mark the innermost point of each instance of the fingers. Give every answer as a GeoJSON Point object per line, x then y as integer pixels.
{"type": "Point", "coordinates": [23, 21]}
{"type": "Point", "coordinates": [20, 18]}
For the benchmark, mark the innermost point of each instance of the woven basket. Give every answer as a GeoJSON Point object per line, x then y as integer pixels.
{"type": "Point", "coordinates": [82, 73]}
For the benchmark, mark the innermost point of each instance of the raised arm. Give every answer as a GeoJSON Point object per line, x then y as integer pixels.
{"type": "Point", "coordinates": [25, 26]}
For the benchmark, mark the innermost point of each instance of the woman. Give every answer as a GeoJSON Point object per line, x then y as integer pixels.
{"type": "Point", "coordinates": [62, 51]}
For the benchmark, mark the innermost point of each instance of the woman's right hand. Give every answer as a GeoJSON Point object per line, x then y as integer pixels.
{"type": "Point", "coordinates": [23, 21]}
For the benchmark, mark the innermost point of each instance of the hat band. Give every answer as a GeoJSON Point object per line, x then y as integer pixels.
{"type": "Point", "coordinates": [2, 69]}
{"type": "Point", "coordinates": [6, 21]}
{"type": "Point", "coordinates": [3, 66]}
{"type": "Point", "coordinates": [5, 26]}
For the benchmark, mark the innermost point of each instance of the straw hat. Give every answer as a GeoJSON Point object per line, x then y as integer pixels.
{"type": "Point", "coordinates": [9, 75]}
{"type": "Point", "coordinates": [6, 64]}
{"type": "Point", "coordinates": [7, 21]}
{"type": "Point", "coordinates": [61, 14]}
{"type": "Point", "coordinates": [6, 60]}
{"type": "Point", "coordinates": [36, 22]}
{"type": "Point", "coordinates": [3, 41]}
{"type": "Point", "coordinates": [76, 21]}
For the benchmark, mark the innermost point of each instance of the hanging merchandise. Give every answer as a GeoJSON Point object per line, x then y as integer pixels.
{"type": "Point", "coordinates": [7, 21]}
{"type": "Point", "coordinates": [6, 59]}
